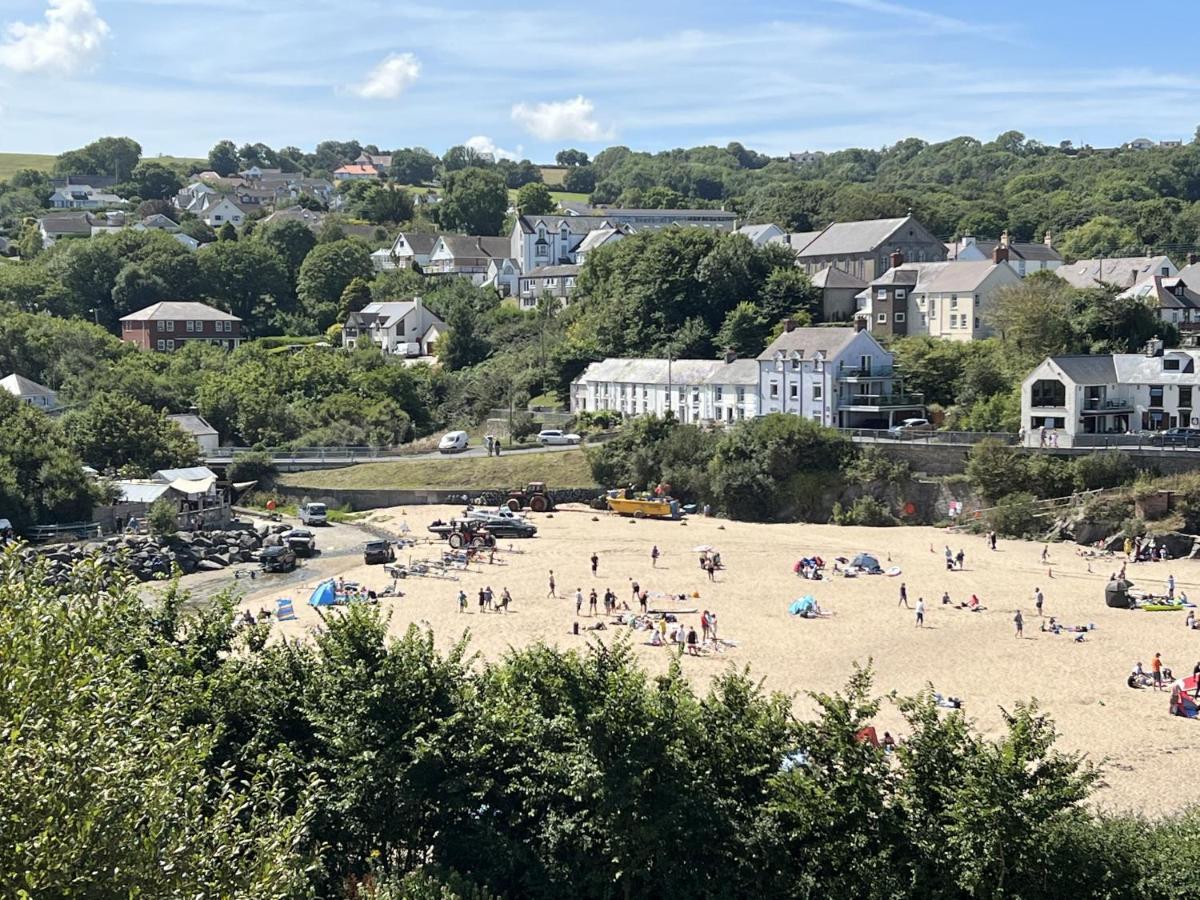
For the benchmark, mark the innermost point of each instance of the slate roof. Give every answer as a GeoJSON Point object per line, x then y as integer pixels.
{"type": "Point", "coordinates": [798, 240]}
{"type": "Point", "coordinates": [20, 386]}
{"type": "Point", "coordinates": [1087, 369]}
{"type": "Point", "coordinates": [552, 272]}
{"type": "Point", "coordinates": [575, 224]}
{"type": "Point", "coordinates": [848, 238]}
{"type": "Point", "coordinates": [1168, 293]}
{"type": "Point", "coordinates": [1121, 271]}
{"type": "Point", "coordinates": [178, 309]}
{"type": "Point", "coordinates": [421, 243]}
{"type": "Point", "coordinates": [1030, 251]}
{"type": "Point", "coordinates": [77, 223]}
{"type": "Point", "coordinates": [833, 277]}
{"type": "Point", "coordinates": [683, 371]}
{"type": "Point", "coordinates": [191, 473]}
{"type": "Point", "coordinates": [596, 238]}
{"type": "Point", "coordinates": [193, 424]}
{"type": "Point", "coordinates": [810, 341]}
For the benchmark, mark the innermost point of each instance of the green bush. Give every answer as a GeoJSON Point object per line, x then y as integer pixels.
{"type": "Point", "coordinates": [255, 465]}
{"type": "Point", "coordinates": [1014, 515]}
{"type": "Point", "coordinates": [162, 517]}
{"type": "Point", "coordinates": [1110, 468]}
{"type": "Point", "coordinates": [865, 510]}
{"type": "Point", "coordinates": [874, 466]}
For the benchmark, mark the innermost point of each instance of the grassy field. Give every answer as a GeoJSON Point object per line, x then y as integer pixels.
{"type": "Point", "coordinates": [10, 163]}
{"type": "Point", "coordinates": [565, 196]}
{"type": "Point", "coordinates": [553, 175]}
{"type": "Point", "coordinates": [566, 468]}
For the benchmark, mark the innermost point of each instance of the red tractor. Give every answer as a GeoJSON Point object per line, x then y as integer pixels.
{"type": "Point", "coordinates": [534, 496]}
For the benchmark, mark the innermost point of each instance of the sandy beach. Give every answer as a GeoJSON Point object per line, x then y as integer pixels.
{"type": "Point", "coordinates": [1147, 754]}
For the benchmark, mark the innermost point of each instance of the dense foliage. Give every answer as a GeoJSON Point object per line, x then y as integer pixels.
{"type": "Point", "coordinates": [151, 754]}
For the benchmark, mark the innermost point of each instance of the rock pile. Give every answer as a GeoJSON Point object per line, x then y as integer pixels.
{"type": "Point", "coordinates": [150, 556]}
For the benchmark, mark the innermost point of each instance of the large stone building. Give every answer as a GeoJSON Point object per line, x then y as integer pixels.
{"type": "Point", "coordinates": [864, 249]}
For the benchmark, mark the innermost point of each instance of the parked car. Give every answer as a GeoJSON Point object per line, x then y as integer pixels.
{"type": "Point", "coordinates": [280, 558]}
{"type": "Point", "coordinates": [453, 442]}
{"type": "Point", "coordinates": [910, 427]}
{"type": "Point", "coordinates": [548, 436]}
{"type": "Point", "coordinates": [1180, 437]}
{"type": "Point", "coordinates": [314, 514]}
{"type": "Point", "coordinates": [376, 552]}
{"type": "Point", "coordinates": [302, 541]}
{"type": "Point", "coordinates": [505, 526]}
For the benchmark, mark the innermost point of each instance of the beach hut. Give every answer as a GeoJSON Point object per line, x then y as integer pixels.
{"type": "Point", "coordinates": [323, 595]}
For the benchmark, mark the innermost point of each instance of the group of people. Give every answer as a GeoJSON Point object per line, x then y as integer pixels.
{"type": "Point", "coordinates": [955, 560]}
{"type": "Point", "coordinates": [487, 600]}
{"type": "Point", "coordinates": [1139, 549]}
{"type": "Point", "coordinates": [491, 444]}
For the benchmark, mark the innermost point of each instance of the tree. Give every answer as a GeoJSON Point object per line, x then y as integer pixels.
{"type": "Point", "coordinates": [291, 241]}
{"type": "Point", "coordinates": [382, 203]}
{"type": "Point", "coordinates": [227, 232]}
{"type": "Point", "coordinates": [1101, 236]}
{"type": "Point", "coordinates": [461, 345]}
{"type": "Point", "coordinates": [1035, 315]}
{"type": "Point", "coordinates": [114, 432]}
{"type": "Point", "coordinates": [473, 200]}
{"type": "Point", "coordinates": [113, 156]}
{"type": "Point", "coordinates": [223, 158]}
{"type": "Point", "coordinates": [151, 180]}
{"type": "Point", "coordinates": [535, 200]}
{"type": "Point", "coordinates": [744, 331]}
{"type": "Point", "coordinates": [461, 157]}
{"type": "Point", "coordinates": [325, 274]}
{"type": "Point", "coordinates": [413, 166]}
{"type": "Point", "coordinates": [163, 517]}
{"type": "Point", "coordinates": [29, 245]}
{"type": "Point", "coordinates": [32, 289]}
{"type": "Point", "coordinates": [356, 295]}
{"type": "Point", "coordinates": [519, 174]}
{"type": "Point", "coordinates": [249, 280]}
{"type": "Point", "coordinates": [786, 292]}
{"type": "Point", "coordinates": [580, 180]}
{"type": "Point", "coordinates": [571, 158]}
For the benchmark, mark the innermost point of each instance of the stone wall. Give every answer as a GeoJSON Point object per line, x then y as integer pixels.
{"type": "Point", "coordinates": [377, 498]}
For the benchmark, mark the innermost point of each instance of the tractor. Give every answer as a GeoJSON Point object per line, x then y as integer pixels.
{"type": "Point", "coordinates": [534, 496]}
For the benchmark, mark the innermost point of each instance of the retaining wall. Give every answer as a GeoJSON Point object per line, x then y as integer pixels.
{"type": "Point", "coordinates": [377, 498]}
{"type": "Point", "coordinates": [951, 459]}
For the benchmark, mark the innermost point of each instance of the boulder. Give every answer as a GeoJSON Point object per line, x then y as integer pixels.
{"type": "Point", "coordinates": [208, 565]}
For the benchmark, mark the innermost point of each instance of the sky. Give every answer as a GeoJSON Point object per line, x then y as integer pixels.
{"type": "Point", "coordinates": [528, 80]}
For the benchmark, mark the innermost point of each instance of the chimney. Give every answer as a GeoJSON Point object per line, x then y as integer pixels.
{"type": "Point", "coordinates": [1193, 259]}
{"type": "Point", "coordinates": [968, 241]}
{"type": "Point", "coordinates": [1154, 347]}
{"type": "Point", "coordinates": [897, 258]}
{"type": "Point", "coordinates": [1000, 254]}
{"type": "Point", "coordinates": [730, 355]}
{"type": "Point", "coordinates": [789, 325]}
{"type": "Point", "coordinates": [1048, 240]}
{"type": "Point", "coordinates": [860, 323]}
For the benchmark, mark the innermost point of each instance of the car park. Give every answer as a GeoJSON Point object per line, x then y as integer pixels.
{"type": "Point", "coordinates": [554, 436]}
{"type": "Point", "coordinates": [376, 552]}
{"type": "Point", "coordinates": [453, 442]}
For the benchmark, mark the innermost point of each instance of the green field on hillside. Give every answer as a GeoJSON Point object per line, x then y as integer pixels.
{"type": "Point", "coordinates": [10, 163]}
{"type": "Point", "coordinates": [563, 468]}
{"type": "Point", "coordinates": [564, 196]}
{"type": "Point", "coordinates": [553, 175]}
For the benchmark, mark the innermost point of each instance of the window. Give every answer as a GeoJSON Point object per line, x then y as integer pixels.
{"type": "Point", "coordinates": [899, 317]}
{"type": "Point", "coordinates": [1047, 392]}
{"type": "Point", "coordinates": [1156, 396]}
{"type": "Point", "coordinates": [795, 364]}
{"type": "Point", "coordinates": [162, 345]}
{"type": "Point", "coordinates": [1185, 397]}
{"type": "Point", "coordinates": [191, 325]}
{"type": "Point", "coordinates": [170, 344]}
{"type": "Point", "coordinates": [932, 307]}
{"type": "Point", "coordinates": [774, 390]}
{"type": "Point", "coordinates": [1166, 271]}
{"type": "Point", "coordinates": [976, 299]}
{"type": "Point", "coordinates": [881, 318]}
{"type": "Point", "coordinates": [794, 391]}
{"type": "Point", "coordinates": [901, 293]}
{"type": "Point", "coordinates": [953, 320]}
{"type": "Point", "coordinates": [717, 393]}
{"type": "Point", "coordinates": [170, 324]}
{"type": "Point", "coordinates": [953, 302]}
{"type": "Point", "coordinates": [1170, 365]}
{"type": "Point", "coordinates": [816, 392]}
{"type": "Point", "coordinates": [216, 218]}
{"type": "Point", "coordinates": [880, 293]}
{"type": "Point", "coordinates": [976, 321]}
{"type": "Point", "coordinates": [741, 394]}
{"type": "Point", "coordinates": [161, 325]}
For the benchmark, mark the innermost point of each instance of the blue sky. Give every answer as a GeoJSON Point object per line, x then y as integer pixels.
{"type": "Point", "coordinates": [529, 79]}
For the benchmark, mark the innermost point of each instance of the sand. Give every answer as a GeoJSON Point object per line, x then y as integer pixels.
{"type": "Point", "coordinates": [1147, 755]}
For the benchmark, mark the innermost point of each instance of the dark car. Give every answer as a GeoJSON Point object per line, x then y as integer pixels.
{"type": "Point", "coordinates": [277, 559]}
{"type": "Point", "coordinates": [506, 526]}
{"type": "Point", "coordinates": [1180, 437]}
{"type": "Point", "coordinates": [376, 552]}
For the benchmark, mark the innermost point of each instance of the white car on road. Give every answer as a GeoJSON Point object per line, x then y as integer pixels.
{"type": "Point", "coordinates": [453, 441]}
{"type": "Point", "coordinates": [548, 436]}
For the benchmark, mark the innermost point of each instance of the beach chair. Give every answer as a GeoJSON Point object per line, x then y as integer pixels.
{"type": "Point", "coordinates": [284, 611]}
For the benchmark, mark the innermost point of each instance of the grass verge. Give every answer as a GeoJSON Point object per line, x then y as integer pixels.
{"type": "Point", "coordinates": [566, 468]}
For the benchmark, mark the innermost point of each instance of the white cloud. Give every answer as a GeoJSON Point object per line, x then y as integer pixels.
{"type": "Point", "coordinates": [70, 39]}
{"type": "Point", "coordinates": [390, 78]}
{"type": "Point", "coordinates": [562, 120]}
{"type": "Point", "coordinates": [485, 145]}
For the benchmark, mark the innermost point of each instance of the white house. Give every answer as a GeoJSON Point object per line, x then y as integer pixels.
{"type": "Point", "coordinates": [695, 390]}
{"type": "Point", "coordinates": [410, 250]}
{"type": "Point", "coordinates": [950, 300]}
{"type": "Point", "coordinates": [601, 237]}
{"type": "Point", "coordinates": [1173, 299]}
{"type": "Point", "coordinates": [82, 196]}
{"type": "Point", "coordinates": [1065, 399]}
{"type": "Point", "coordinates": [839, 377]}
{"type": "Point", "coordinates": [503, 275]}
{"type": "Point", "coordinates": [204, 434]}
{"type": "Point", "coordinates": [1025, 257]}
{"type": "Point", "coordinates": [223, 211]}
{"type": "Point", "coordinates": [403, 328]}
{"type": "Point", "coordinates": [557, 281]}
{"type": "Point", "coordinates": [760, 235]}
{"type": "Point", "coordinates": [30, 391]}
{"type": "Point", "coordinates": [466, 255]}
{"type": "Point", "coordinates": [1123, 272]}
{"type": "Point", "coordinates": [552, 240]}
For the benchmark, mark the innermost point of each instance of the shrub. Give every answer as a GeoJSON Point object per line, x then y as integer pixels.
{"type": "Point", "coordinates": [865, 510]}
{"type": "Point", "coordinates": [874, 466]}
{"type": "Point", "coordinates": [255, 465]}
{"type": "Point", "coordinates": [162, 517]}
{"type": "Point", "coordinates": [996, 469]}
{"type": "Point", "coordinates": [1103, 470]}
{"type": "Point", "coordinates": [1014, 515]}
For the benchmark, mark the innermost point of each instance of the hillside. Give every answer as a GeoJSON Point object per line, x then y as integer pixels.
{"type": "Point", "coordinates": [11, 163]}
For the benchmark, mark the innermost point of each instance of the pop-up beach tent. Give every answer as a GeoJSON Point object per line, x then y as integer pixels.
{"type": "Point", "coordinates": [323, 595]}
{"type": "Point", "coordinates": [866, 562]}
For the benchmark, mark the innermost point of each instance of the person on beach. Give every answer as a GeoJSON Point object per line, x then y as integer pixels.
{"type": "Point", "coordinates": [1156, 668]}
{"type": "Point", "coordinates": [592, 603]}
{"type": "Point", "coordinates": [920, 612]}
{"type": "Point", "coordinates": [636, 588]}
{"type": "Point", "coordinates": [960, 558]}
{"type": "Point", "coordinates": [945, 598]}
{"type": "Point", "coordinates": [643, 600]}
{"type": "Point", "coordinates": [488, 596]}
{"type": "Point", "coordinates": [505, 599]}
{"type": "Point", "coordinates": [711, 568]}
{"type": "Point", "coordinates": [482, 599]}
{"type": "Point", "coordinates": [704, 625]}
{"type": "Point", "coordinates": [1045, 554]}
{"type": "Point", "coordinates": [1019, 622]}
{"type": "Point", "coordinates": [903, 595]}
{"type": "Point", "coordinates": [654, 556]}
{"type": "Point", "coordinates": [691, 642]}
{"type": "Point", "coordinates": [462, 601]}
{"type": "Point", "coordinates": [1170, 587]}
{"type": "Point", "coordinates": [595, 564]}
{"type": "Point", "coordinates": [578, 601]}
{"type": "Point", "coordinates": [1038, 600]}
{"type": "Point", "coordinates": [551, 593]}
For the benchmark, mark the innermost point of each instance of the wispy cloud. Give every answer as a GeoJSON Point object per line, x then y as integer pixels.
{"type": "Point", "coordinates": [70, 39]}
{"type": "Point", "coordinates": [569, 120]}
{"type": "Point", "coordinates": [390, 78]}
{"type": "Point", "coordinates": [939, 21]}
{"type": "Point", "coordinates": [486, 146]}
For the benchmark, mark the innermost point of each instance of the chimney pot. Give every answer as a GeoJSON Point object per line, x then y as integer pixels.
{"type": "Point", "coordinates": [897, 258]}
{"type": "Point", "coordinates": [1004, 239]}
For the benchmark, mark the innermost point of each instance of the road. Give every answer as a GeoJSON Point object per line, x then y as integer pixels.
{"type": "Point", "coordinates": [330, 456]}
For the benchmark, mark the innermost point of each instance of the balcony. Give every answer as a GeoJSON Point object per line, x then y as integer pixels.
{"type": "Point", "coordinates": [1106, 407]}
{"type": "Point", "coordinates": [883, 401]}
{"type": "Point", "coordinates": [851, 374]}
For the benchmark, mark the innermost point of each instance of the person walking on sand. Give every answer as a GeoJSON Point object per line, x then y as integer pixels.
{"type": "Point", "coordinates": [704, 625]}
{"type": "Point", "coordinates": [636, 589]}
{"type": "Point", "coordinates": [595, 563]}
{"type": "Point", "coordinates": [1170, 587]}
{"type": "Point", "coordinates": [691, 642]}
{"type": "Point", "coordinates": [505, 599]}
{"type": "Point", "coordinates": [643, 600]}
{"type": "Point", "coordinates": [578, 601]}
{"type": "Point", "coordinates": [960, 558]}
{"type": "Point", "coordinates": [1019, 622]}
{"type": "Point", "coordinates": [1038, 600]}
{"type": "Point", "coordinates": [654, 556]}
{"type": "Point", "coordinates": [551, 593]}
{"type": "Point", "coordinates": [1045, 554]}
{"type": "Point", "coordinates": [903, 595]}
{"type": "Point", "coordinates": [488, 596]}
{"type": "Point", "coordinates": [710, 569]}
{"type": "Point", "coordinates": [592, 603]}
{"type": "Point", "coordinates": [1156, 667]}
{"type": "Point", "coordinates": [920, 612]}
{"type": "Point", "coordinates": [482, 599]}
{"type": "Point", "coordinates": [462, 600]}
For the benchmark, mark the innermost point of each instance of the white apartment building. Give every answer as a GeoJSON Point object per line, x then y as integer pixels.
{"type": "Point", "coordinates": [696, 391]}
{"type": "Point", "coordinates": [1066, 398]}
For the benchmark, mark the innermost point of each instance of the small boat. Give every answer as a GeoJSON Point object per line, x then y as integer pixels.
{"type": "Point", "coordinates": [642, 507]}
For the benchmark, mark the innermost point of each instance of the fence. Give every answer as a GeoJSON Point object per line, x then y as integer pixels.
{"type": "Point", "coordinates": [928, 437]}
{"type": "Point", "coordinates": [79, 531]}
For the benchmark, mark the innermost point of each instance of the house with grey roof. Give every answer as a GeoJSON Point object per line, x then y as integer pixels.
{"type": "Point", "coordinates": [1173, 299]}
{"type": "Point", "coordinates": [466, 255]}
{"type": "Point", "coordinates": [839, 377]}
{"type": "Point", "coordinates": [1025, 257]}
{"type": "Point", "coordinates": [399, 328]}
{"type": "Point", "coordinates": [557, 281]}
{"type": "Point", "coordinates": [759, 235]}
{"type": "Point", "coordinates": [84, 196]}
{"type": "Point", "coordinates": [594, 240]}
{"type": "Point", "coordinates": [697, 391]}
{"type": "Point", "coordinates": [838, 292]}
{"type": "Point", "coordinates": [555, 238]}
{"type": "Point", "coordinates": [863, 248]}
{"type": "Point", "coordinates": [55, 227]}
{"type": "Point", "coordinates": [1073, 401]}
{"type": "Point", "coordinates": [410, 250]}
{"type": "Point", "coordinates": [193, 424]}
{"type": "Point", "coordinates": [29, 391]}
{"type": "Point", "coordinates": [1122, 272]}
{"type": "Point", "coordinates": [951, 300]}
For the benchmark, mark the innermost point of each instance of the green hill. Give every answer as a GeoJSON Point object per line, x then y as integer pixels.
{"type": "Point", "coordinates": [10, 163]}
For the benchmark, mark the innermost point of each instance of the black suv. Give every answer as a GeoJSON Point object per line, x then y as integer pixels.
{"type": "Point", "coordinates": [1180, 437]}
{"type": "Point", "coordinates": [277, 559]}
{"type": "Point", "coordinates": [378, 552]}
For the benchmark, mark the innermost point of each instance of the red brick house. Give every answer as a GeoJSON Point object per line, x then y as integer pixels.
{"type": "Point", "coordinates": [167, 326]}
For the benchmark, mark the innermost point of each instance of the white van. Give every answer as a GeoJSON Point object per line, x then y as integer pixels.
{"type": "Point", "coordinates": [453, 442]}
{"type": "Point", "coordinates": [314, 514]}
